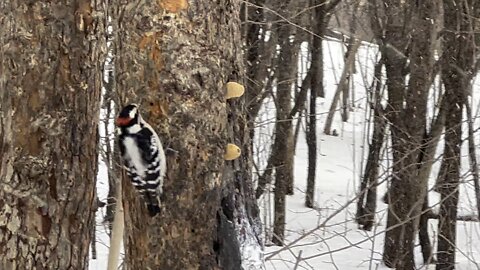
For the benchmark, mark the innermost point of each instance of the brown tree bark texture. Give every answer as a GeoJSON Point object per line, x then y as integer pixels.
{"type": "Point", "coordinates": [459, 47]}
{"type": "Point", "coordinates": [407, 124]}
{"type": "Point", "coordinates": [283, 145]}
{"type": "Point", "coordinates": [174, 58]}
{"type": "Point", "coordinates": [49, 109]}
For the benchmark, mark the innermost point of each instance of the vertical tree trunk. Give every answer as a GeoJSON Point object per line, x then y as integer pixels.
{"type": "Point", "coordinates": [408, 123]}
{"type": "Point", "coordinates": [49, 112]}
{"type": "Point", "coordinates": [449, 184]}
{"type": "Point", "coordinates": [356, 9]}
{"type": "Point", "coordinates": [395, 61]}
{"type": "Point", "coordinates": [459, 46]}
{"type": "Point", "coordinates": [423, 237]}
{"type": "Point", "coordinates": [473, 156]}
{"type": "Point", "coordinates": [259, 54]}
{"type": "Point", "coordinates": [365, 215]}
{"type": "Point", "coordinates": [316, 89]}
{"type": "Point", "coordinates": [283, 160]}
{"type": "Point", "coordinates": [174, 59]}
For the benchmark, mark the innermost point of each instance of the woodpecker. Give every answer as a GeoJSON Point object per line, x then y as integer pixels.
{"type": "Point", "coordinates": [143, 156]}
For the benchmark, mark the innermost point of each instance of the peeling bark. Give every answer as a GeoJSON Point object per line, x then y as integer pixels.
{"type": "Point", "coordinates": [48, 140]}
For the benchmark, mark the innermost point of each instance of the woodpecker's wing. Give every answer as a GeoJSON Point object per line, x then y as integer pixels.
{"type": "Point", "coordinates": [150, 147]}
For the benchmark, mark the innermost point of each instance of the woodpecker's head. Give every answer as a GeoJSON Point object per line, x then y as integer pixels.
{"type": "Point", "coordinates": [128, 116]}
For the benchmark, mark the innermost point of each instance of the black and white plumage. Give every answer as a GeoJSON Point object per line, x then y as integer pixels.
{"type": "Point", "coordinates": [143, 156]}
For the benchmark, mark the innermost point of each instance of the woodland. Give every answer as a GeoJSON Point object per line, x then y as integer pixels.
{"type": "Point", "coordinates": [299, 134]}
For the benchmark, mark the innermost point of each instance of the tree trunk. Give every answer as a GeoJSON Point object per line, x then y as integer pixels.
{"type": "Point", "coordinates": [174, 59]}
{"type": "Point", "coordinates": [395, 62]}
{"type": "Point", "coordinates": [423, 237]}
{"type": "Point", "coordinates": [283, 160]}
{"type": "Point", "coordinates": [49, 112]}
{"type": "Point", "coordinates": [425, 166]}
{"type": "Point", "coordinates": [118, 226]}
{"type": "Point", "coordinates": [408, 123]}
{"type": "Point", "coordinates": [342, 83]}
{"type": "Point", "coordinates": [459, 46]}
{"type": "Point", "coordinates": [316, 89]}
{"type": "Point", "coordinates": [300, 101]}
{"type": "Point", "coordinates": [259, 54]}
{"type": "Point", "coordinates": [473, 157]}
{"type": "Point", "coordinates": [366, 208]}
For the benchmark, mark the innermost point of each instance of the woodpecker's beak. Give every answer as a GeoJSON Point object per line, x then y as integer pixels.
{"type": "Point", "coordinates": [123, 121]}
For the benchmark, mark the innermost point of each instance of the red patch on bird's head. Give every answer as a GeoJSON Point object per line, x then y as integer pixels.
{"type": "Point", "coordinates": [123, 121]}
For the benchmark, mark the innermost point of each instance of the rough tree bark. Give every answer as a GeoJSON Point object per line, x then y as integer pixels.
{"type": "Point", "coordinates": [49, 112]}
{"type": "Point", "coordinates": [174, 59]}
{"type": "Point", "coordinates": [459, 48]}
{"type": "Point", "coordinates": [408, 122]}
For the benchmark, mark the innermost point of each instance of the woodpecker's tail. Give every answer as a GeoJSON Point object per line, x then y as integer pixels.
{"type": "Point", "coordinates": [153, 204]}
{"type": "Point", "coordinates": [153, 209]}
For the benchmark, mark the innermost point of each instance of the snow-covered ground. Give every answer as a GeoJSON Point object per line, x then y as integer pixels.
{"type": "Point", "coordinates": [336, 244]}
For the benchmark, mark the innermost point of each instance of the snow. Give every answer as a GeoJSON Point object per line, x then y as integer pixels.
{"type": "Point", "coordinates": [329, 237]}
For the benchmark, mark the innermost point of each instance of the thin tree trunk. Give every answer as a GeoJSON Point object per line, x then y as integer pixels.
{"type": "Point", "coordinates": [473, 156]}
{"type": "Point", "coordinates": [316, 89]}
{"type": "Point", "coordinates": [108, 101]}
{"type": "Point", "coordinates": [428, 158]}
{"type": "Point", "coordinates": [118, 227]}
{"type": "Point", "coordinates": [365, 215]}
{"type": "Point", "coordinates": [283, 160]}
{"type": "Point", "coordinates": [50, 85]}
{"type": "Point", "coordinates": [395, 61]}
{"type": "Point", "coordinates": [424, 238]}
{"type": "Point", "coordinates": [357, 8]}
{"type": "Point", "coordinates": [342, 83]}
{"type": "Point", "coordinates": [259, 55]}
{"type": "Point", "coordinates": [321, 16]}
{"type": "Point", "coordinates": [458, 48]}
{"type": "Point", "coordinates": [298, 107]}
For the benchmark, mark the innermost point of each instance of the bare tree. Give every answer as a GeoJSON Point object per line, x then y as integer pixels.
{"type": "Point", "coordinates": [458, 47]}
{"type": "Point", "coordinates": [50, 85]}
{"type": "Point", "coordinates": [343, 84]}
{"type": "Point", "coordinates": [260, 48]}
{"type": "Point", "coordinates": [407, 122]}
{"type": "Point", "coordinates": [283, 158]}
{"type": "Point", "coordinates": [367, 200]}
{"type": "Point", "coordinates": [322, 12]}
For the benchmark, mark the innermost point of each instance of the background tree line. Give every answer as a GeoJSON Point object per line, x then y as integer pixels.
{"type": "Point", "coordinates": [174, 59]}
